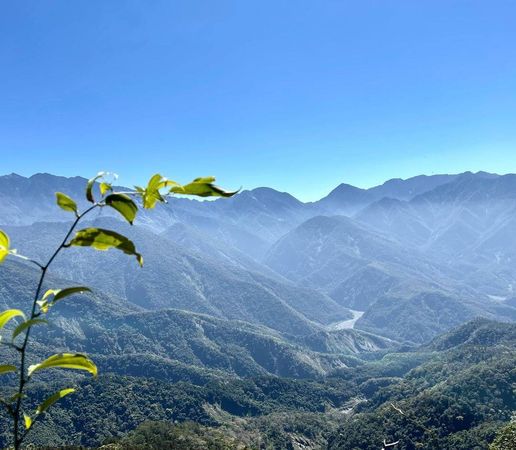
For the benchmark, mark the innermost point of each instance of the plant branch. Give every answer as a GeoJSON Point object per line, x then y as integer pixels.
{"type": "Point", "coordinates": [18, 439]}
{"type": "Point", "coordinates": [11, 345]}
{"type": "Point", "coordinates": [13, 253]}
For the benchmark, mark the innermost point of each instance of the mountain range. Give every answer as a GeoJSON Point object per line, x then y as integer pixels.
{"type": "Point", "coordinates": [264, 285]}
{"type": "Point", "coordinates": [426, 253]}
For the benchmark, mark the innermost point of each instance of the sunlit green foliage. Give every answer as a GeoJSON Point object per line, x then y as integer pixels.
{"type": "Point", "coordinates": [66, 361]}
{"type": "Point", "coordinates": [4, 245]}
{"type": "Point", "coordinates": [124, 205]}
{"type": "Point", "coordinates": [66, 203]}
{"type": "Point", "coordinates": [98, 239]}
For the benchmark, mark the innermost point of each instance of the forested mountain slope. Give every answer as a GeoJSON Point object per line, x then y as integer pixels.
{"type": "Point", "coordinates": [275, 319]}
{"type": "Point", "coordinates": [267, 258]}
{"type": "Point", "coordinates": [127, 339]}
{"type": "Point", "coordinates": [454, 400]}
{"type": "Point", "coordinates": [453, 393]}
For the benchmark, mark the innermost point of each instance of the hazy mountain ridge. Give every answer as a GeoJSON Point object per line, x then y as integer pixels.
{"type": "Point", "coordinates": [447, 236]}
{"type": "Point", "coordinates": [172, 277]}
{"type": "Point", "coordinates": [239, 315]}
{"type": "Point", "coordinates": [172, 344]}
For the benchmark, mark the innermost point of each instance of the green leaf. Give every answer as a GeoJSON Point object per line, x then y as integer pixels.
{"type": "Point", "coordinates": [6, 316]}
{"type": "Point", "coordinates": [24, 325]}
{"type": "Point", "coordinates": [66, 202]}
{"type": "Point", "coordinates": [204, 180]}
{"type": "Point", "coordinates": [52, 399]}
{"type": "Point", "coordinates": [202, 187]}
{"type": "Point", "coordinates": [101, 239]}
{"type": "Point", "coordinates": [62, 293]}
{"type": "Point", "coordinates": [151, 194]}
{"type": "Point", "coordinates": [4, 245]}
{"type": "Point", "coordinates": [59, 294]}
{"type": "Point", "coordinates": [165, 182]}
{"type": "Point", "coordinates": [89, 187]}
{"type": "Point", "coordinates": [27, 420]}
{"type": "Point", "coordinates": [105, 187]}
{"type": "Point", "coordinates": [6, 368]}
{"type": "Point", "coordinates": [124, 205]}
{"type": "Point", "coordinates": [66, 361]}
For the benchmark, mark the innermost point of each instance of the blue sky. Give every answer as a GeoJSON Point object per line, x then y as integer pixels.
{"type": "Point", "coordinates": [297, 95]}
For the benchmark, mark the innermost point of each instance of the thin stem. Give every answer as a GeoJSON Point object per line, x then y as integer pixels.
{"type": "Point", "coordinates": [18, 439]}
{"type": "Point", "coordinates": [12, 253]}
{"type": "Point", "coordinates": [11, 345]}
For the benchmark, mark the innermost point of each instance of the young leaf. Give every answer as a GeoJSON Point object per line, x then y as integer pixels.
{"type": "Point", "coordinates": [27, 420]}
{"type": "Point", "coordinates": [202, 187]}
{"type": "Point", "coordinates": [101, 239]}
{"type": "Point", "coordinates": [24, 325]}
{"type": "Point", "coordinates": [124, 205]}
{"type": "Point", "coordinates": [6, 368]}
{"type": "Point", "coordinates": [151, 194]}
{"type": "Point", "coordinates": [9, 314]}
{"type": "Point", "coordinates": [52, 399]}
{"type": "Point", "coordinates": [204, 180]}
{"type": "Point", "coordinates": [66, 202]}
{"type": "Point", "coordinates": [105, 187]}
{"type": "Point", "coordinates": [66, 361]}
{"type": "Point", "coordinates": [62, 293]}
{"type": "Point", "coordinates": [4, 245]}
{"type": "Point", "coordinates": [165, 182]}
{"type": "Point", "coordinates": [59, 294]}
{"type": "Point", "coordinates": [89, 187]}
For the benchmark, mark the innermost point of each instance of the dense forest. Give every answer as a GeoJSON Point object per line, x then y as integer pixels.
{"type": "Point", "coordinates": [456, 392]}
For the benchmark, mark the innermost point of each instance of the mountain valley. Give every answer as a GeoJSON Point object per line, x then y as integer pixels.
{"type": "Point", "coordinates": [258, 309]}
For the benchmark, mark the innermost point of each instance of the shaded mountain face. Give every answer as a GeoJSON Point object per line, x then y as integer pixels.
{"type": "Point", "coordinates": [266, 258]}
{"type": "Point", "coordinates": [344, 200]}
{"type": "Point", "coordinates": [174, 277]}
{"type": "Point", "coordinates": [323, 250]}
{"type": "Point", "coordinates": [478, 332]}
{"type": "Point", "coordinates": [26, 200]}
{"type": "Point", "coordinates": [467, 225]}
{"type": "Point", "coordinates": [432, 312]}
{"type": "Point", "coordinates": [261, 286]}
{"type": "Point", "coordinates": [173, 344]}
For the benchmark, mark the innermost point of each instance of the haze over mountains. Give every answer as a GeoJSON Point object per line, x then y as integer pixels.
{"type": "Point", "coordinates": [416, 256]}
{"type": "Point", "coordinates": [241, 298]}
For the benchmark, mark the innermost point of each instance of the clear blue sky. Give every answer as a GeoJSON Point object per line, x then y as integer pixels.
{"type": "Point", "coordinates": [296, 95]}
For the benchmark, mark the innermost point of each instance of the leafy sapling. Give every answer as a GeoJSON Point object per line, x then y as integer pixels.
{"type": "Point", "coordinates": [126, 204]}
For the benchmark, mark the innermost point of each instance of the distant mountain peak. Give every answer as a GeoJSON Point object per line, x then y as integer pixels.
{"type": "Point", "coordinates": [267, 195]}
{"type": "Point", "coordinates": [344, 199]}
{"type": "Point", "coordinates": [12, 177]}
{"type": "Point", "coordinates": [344, 188]}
